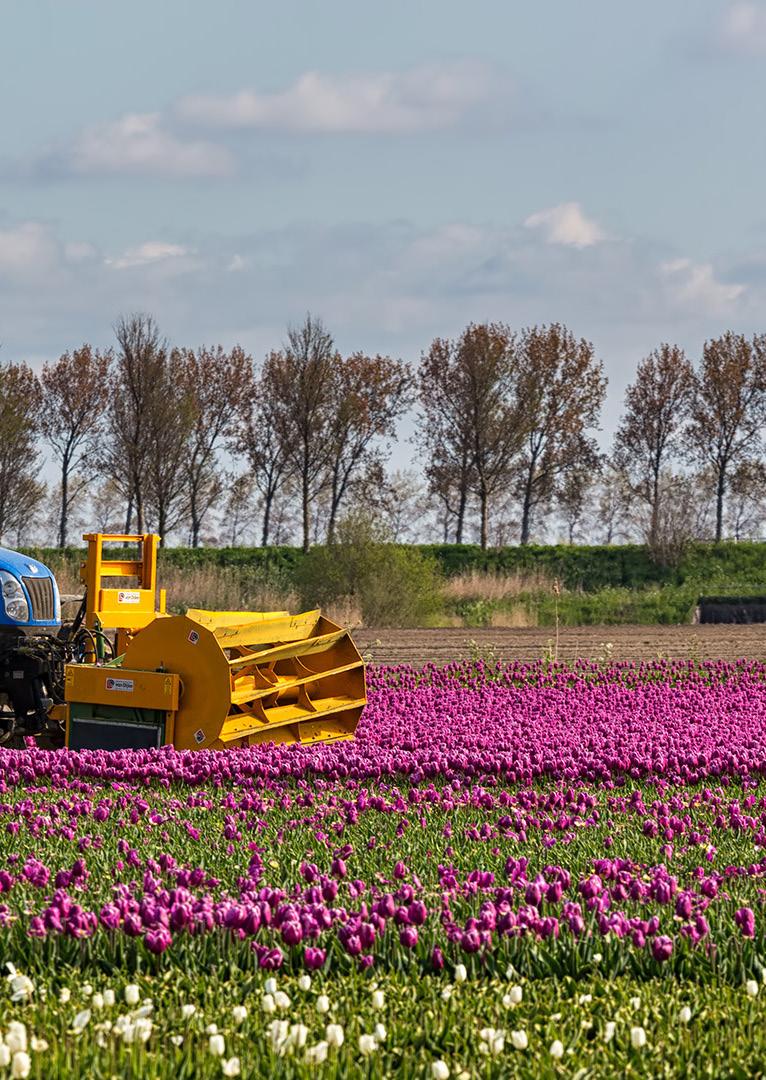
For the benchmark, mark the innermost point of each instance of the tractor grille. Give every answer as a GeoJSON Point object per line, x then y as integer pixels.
{"type": "Point", "coordinates": [41, 594]}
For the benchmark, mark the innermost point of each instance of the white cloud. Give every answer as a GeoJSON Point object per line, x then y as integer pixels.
{"type": "Point", "coordinates": [743, 28]}
{"type": "Point", "coordinates": [151, 252]}
{"type": "Point", "coordinates": [28, 250]}
{"type": "Point", "coordinates": [566, 224]}
{"type": "Point", "coordinates": [694, 285]}
{"type": "Point", "coordinates": [423, 98]}
{"type": "Point", "coordinates": [140, 143]}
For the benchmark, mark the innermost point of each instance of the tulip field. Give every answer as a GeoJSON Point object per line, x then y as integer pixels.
{"type": "Point", "coordinates": [526, 870]}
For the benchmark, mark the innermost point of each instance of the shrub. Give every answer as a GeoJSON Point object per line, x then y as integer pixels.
{"type": "Point", "coordinates": [392, 585]}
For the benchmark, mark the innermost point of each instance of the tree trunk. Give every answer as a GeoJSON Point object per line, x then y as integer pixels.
{"type": "Point", "coordinates": [484, 517]}
{"type": "Point", "coordinates": [720, 488]}
{"type": "Point", "coordinates": [64, 498]}
{"type": "Point", "coordinates": [461, 515]}
{"type": "Point", "coordinates": [306, 515]}
{"type": "Point", "coordinates": [654, 523]}
{"type": "Point", "coordinates": [268, 500]}
{"type": "Point", "coordinates": [129, 514]}
{"type": "Point", "coordinates": [526, 512]}
{"type": "Point", "coordinates": [195, 521]}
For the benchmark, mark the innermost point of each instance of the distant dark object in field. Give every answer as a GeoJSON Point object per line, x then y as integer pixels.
{"type": "Point", "coordinates": [731, 609]}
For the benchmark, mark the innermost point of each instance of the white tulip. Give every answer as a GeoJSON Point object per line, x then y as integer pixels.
{"type": "Point", "coordinates": [109, 998]}
{"type": "Point", "coordinates": [685, 1014]}
{"type": "Point", "coordinates": [22, 987]}
{"type": "Point", "coordinates": [188, 1011]}
{"type": "Point", "coordinates": [231, 1067]}
{"type": "Point", "coordinates": [334, 1035]}
{"type": "Point", "coordinates": [492, 1041]}
{"type": "Point", "coordinates": [39, 1046]}
{"type": "Point", "coordinates": [87, 990]}
{"type": "Point", "coordinates": [65, 995]}
{"type": "Point", "coordinates": [460, 973]}
{"type": "Point", "coordinates": [304, 983]}
{"type": "Point", "coordinates": [21, 1065]}
{"type": "Point", "coordinates": [519, 1040]}
{"type": "Point", "coordinates": [323, 1004]}
{"type": "Point", "coordinates": [216, 1045]}
{"type": "Point", "coordinates": [16, 1037]}
{"type": "Point", "coordinates": [439, 1070]}
{"type": "Point", "coordinates": [637, 1038]}
{"type": "Point", "coordinates": [609, 1030]}
{"type": "Point", "coordinates": [378, 999]}
{"type": "Point", "coordinates": [132, 994]}
{"type": "Point", "coordinates": [268, 1004]}
{"type": "Point", "coordinates": [635, 1003]}
{"type": "Point", "coordinates": [211, 1029]}
{"type": "Point", "coordinates": [298, 1035]}
{"type": "Point", "coordinates": [270, 986]}
{"type": "Point", "coordinates": [367, 1044]}
{"type": "Point", "coordinates": [97, 1001]}
{"type": "Point", "coordinates": [278, 1031]}
{"type": "Point", "coordinates": [281, 1000]}
{"type": "Point", "coordinates": [80, 1021]}
{"type": "Point", "coordinates": [557, 1049]}
{"type": "Point", "coordinates": [515, 994]}
{"type": "Point", "coordinates": [317, 1054]}
{"type": "Point", "coordinates": [5, 1055]}
{"type": "Point", "coordinates": [129, 1032]}
{"type": "Point", "coordinates": [239, 1014]}
{"type": "Point", "coordinates": [379, 1032]}
{"type": "Point", "coordinates": [177, 1040]}
{"type": "Point", "coordinates": [752, 987]}
{"type": "Point", "coordinates": [143, 1026]}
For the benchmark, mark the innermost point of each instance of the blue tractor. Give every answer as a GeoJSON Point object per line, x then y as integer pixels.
{"type": "Point", "coordinates": [34, 646]}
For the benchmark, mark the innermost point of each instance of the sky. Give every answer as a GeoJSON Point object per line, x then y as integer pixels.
{"type": "Point", "coordinates": [398, 169]}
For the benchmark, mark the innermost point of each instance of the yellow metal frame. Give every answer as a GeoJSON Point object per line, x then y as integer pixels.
{"type": "Point", "coordinates": [130, 607]}
{"type": "Point", "coordinates": [88, 684]}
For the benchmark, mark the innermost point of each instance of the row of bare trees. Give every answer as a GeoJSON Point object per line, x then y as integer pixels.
{"type": "Point", "coordinates": [506, 426]}
{"type": "Point", "coordinates": [156, 423]}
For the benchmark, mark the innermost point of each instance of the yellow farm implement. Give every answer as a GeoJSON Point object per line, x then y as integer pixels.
{"type": "Point", "coordinates": [203, 680]}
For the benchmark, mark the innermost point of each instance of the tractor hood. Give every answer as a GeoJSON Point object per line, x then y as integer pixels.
{"type": "Point", "coordinates": [22, 565]}
{"type": "Point", "coordinates": [38, 586]}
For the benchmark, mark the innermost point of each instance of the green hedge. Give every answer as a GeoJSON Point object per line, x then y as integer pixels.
{"type": "Point", "coordinates": [586, 568]}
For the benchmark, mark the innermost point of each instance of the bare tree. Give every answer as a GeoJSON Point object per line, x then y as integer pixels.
{"type": "Point", "coordinates": [169, 419]}
{"type": "Point", "coordinates": [472, 423]}
{"type": "Point", "coordinates": [728, 409]}
{"type": "Point", "coordinates": [262, 434]}
{"type": "Point", "coordinates": [562, 388]}
{"type": "Point", "coordinates": [134, 388]}
{"type": "Point", "coordinates": [371, 392]}
{"type": "Point", "coordinates": [74, 396]}
{"type": "Point", "coordinates": [445, 435]}
{"type": "Point", "coordinates": [299, 383]}
{"type": "Point", "coordinates": [652, 425]}
{"type": "Point", "coordinates": [20, 408]}
{"type": "Point", "coordinates": [217, 383]}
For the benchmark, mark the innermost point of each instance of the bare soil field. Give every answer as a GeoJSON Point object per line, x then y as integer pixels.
{"type": "Point", "coordinates": [724, 642]}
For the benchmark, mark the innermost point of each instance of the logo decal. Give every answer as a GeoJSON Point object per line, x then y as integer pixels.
{"type": "Point", "coordinates": [199, 735]}
{"type": "Point", "coordinates": [126, 685]}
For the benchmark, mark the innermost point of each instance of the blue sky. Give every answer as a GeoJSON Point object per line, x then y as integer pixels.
{"type": "Point", "coordinates": [398, 169]}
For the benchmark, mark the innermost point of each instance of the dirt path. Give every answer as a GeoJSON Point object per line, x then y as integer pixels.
{"type": "Point", "coordinates": [726, 642]}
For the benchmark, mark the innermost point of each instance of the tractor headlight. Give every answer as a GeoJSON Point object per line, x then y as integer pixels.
{"type": "Point", "coordinates": [16, 606]}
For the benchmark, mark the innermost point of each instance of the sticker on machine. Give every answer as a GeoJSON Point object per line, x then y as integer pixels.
{"type": "Point", "coordinates": [129, 596]}
{"type": "Point", "coordinates": [126, 685]}
{"type": "Point", "coordinates": [199, 735]}
{"type": "Point", "coordinates": [193, 637]}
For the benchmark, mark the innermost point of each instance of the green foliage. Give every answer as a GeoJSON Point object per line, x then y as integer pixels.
{"type": "Point", "coordinates": [392, 584]}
